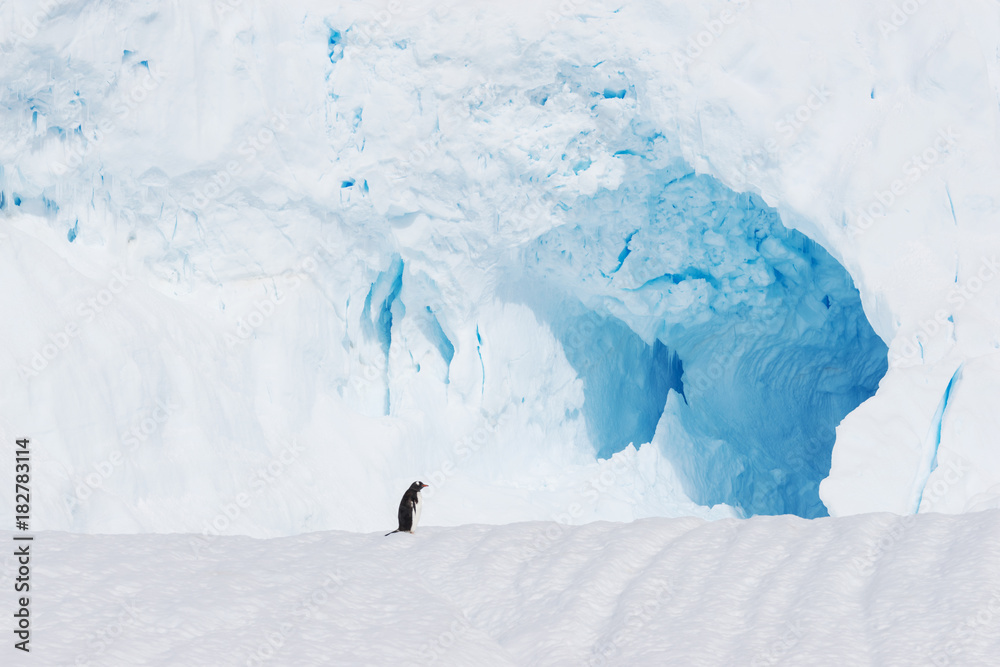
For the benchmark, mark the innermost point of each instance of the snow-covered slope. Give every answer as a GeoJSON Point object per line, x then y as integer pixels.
{"type": "Point", "coordinates": [271, 262]}
{"type": "Point", "coordinates": [867, 590]}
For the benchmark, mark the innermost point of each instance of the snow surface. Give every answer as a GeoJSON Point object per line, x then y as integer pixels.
{"type": "Point", "coordinates": [876, 589]}
{"type": "Point", "coordinates": [305, 254]}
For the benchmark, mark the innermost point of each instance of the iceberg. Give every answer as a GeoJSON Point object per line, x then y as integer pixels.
{"type": "Point", "coordinates": [265, 266]}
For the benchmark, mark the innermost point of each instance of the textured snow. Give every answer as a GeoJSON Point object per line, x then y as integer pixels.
{"type": "Point", "coordinates": [876, 589]}
{"type": "Point", "coordinates": [305, 254]}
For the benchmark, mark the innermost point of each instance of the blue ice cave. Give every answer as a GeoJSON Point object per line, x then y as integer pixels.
{"type": "Point", "coordinates": [674, 283]}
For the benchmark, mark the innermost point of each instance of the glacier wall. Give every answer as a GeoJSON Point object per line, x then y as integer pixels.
{"type": "Point", "coordinates": [271, 264]}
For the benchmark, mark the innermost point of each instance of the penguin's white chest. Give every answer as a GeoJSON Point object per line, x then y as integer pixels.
{"type": "Point", "coordinates": [416, 513]}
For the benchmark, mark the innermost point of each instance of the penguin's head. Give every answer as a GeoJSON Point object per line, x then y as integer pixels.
{"type": "Point", "coordinates": [416, 486]}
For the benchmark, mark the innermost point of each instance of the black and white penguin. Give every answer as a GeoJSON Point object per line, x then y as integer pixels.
{"type": "Point", "coordinates": [409, 509]}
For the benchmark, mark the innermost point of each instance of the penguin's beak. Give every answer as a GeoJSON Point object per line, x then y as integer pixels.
{"type": "Point", "coordinates": [424, 486]}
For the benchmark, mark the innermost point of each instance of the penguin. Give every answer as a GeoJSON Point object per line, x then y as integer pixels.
{"type": "Point", "coordinates": [409, 509]}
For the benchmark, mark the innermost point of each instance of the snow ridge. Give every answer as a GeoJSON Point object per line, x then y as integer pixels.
{"type": "Point", "coordinates": [764, 591]}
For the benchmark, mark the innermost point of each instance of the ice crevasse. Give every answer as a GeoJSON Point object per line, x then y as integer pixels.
{"type": "Point", "coordinates": [576, 262]}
